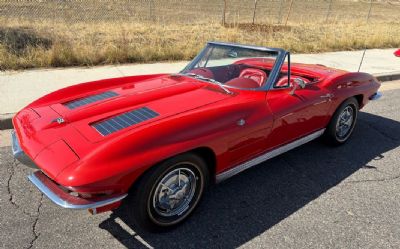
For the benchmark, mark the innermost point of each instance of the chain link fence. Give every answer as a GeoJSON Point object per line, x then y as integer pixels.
{"type": "Point", "coordinates": [206, 11]}
{"type": "Point", "coordinates": [54, 33]}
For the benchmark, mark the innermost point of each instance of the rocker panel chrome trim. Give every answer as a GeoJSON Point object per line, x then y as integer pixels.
{"type": "Point", "coordinates": [270, 154]}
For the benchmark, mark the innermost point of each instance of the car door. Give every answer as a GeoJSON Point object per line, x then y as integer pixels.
{"type": "Point", "coordinates": [252, 126]}
{"type": "Point", "coordinates": [297, 113]}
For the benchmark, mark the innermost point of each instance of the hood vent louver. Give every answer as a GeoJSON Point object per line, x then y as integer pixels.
{"type": "Point", "coordinates": [116, 123]}
{"type": "Point", "coordinates": [89, 100]}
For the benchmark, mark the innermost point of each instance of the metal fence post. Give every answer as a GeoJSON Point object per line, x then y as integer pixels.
{"type": "Point", "coordinates": [280, 11]}
{"type": "Point", "coordinates": [224, 13]}
{"type": "Point", "coordinates": [151, 9]}
{"type": "Point", "coordinates": [328, 12]}
{"type": "Point", "coordinates": [290, 10]}
{"type": "Point", "coordinates": [254, 11]}
{"type": "Point", "coordinates": [369, 11]}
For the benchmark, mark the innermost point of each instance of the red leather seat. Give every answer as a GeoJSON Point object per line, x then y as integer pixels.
{"type": "Point", "coordinates": [283, 81]}
{"type": "Point", "coordinates": [257, 75]}
{"type": "Point", "coordinates": [243, 83]}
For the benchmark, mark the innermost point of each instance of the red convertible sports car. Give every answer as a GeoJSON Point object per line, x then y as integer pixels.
{"type": "Point", "coordinates": [154, 142]}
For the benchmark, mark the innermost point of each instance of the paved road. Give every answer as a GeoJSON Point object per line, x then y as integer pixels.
{"type": "Point", "coordinates": [313, 197]}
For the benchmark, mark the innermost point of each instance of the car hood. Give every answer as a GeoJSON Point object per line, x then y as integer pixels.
{"type": "Point", "coordinates": [163, 96]}
{"type": "Point", "coordinates": [64, 115]}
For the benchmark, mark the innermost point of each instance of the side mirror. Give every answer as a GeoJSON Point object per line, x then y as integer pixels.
{"type": "Point", "coordinates": [298, 83]}
{"type": "Point", "coordinates": [233, 54]}
{"type": "Point", "coordinates": [397, 53]}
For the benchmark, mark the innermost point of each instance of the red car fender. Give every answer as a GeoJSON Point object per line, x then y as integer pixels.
{"type": "Point", "coordinates": [130, 155]}
{"type": "Point", "coordinates": [351, 84]}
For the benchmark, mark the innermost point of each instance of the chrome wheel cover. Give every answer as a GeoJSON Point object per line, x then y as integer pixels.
{"type": "Point", "coordinates": [344, 123]}
{"type": "Point", "coordinates": [174, 192]}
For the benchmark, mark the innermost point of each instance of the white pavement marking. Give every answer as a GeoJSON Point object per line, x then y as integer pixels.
{"type": "Point", "coordinates": [129, 230]}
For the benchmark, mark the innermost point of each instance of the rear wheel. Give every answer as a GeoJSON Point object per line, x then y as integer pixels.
{"type": "Point", "coordinates": [168, 193]}
{"type": "Point", "coordinates": [342, 123]}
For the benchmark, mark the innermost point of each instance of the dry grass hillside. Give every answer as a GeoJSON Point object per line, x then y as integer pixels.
{"type": "Point", "coordinates": [79, 33]}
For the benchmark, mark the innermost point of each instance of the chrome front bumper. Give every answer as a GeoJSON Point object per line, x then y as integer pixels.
{"type": "Point", "coordinates": [375, 96]}
{"type": "Point", "coordinates": [66, 200]}
{"type": "Point", "coordinates": [53, 191]}
{"type": "Point", "coordinates": [19, 154]}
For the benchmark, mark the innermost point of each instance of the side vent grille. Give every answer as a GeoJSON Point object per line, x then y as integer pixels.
{"type": "Point", "coordinates": [125, 120]}
{"type": "Point", "coordinates": [91, 99]}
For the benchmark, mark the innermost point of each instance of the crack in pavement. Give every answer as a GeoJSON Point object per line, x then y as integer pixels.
{"type": "Point", "coordinates": [35, 233]}
{"type": "Point", "coordinates": [375, 180]}
{"type": "Point", "coordinates": [377, 170]}
{"type": "Point", "coordinates": [10, 194]}
{"type": "Point", "coordinates": [386, 179]}
{"type": "Point", "coordinates": [395, 177]}
{"type": "Point", "coordinates": [36, 217]}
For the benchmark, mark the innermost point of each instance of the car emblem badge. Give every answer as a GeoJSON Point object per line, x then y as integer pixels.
{"type": "Point", "coordinates": [241, 122]}
{"type": "Point", "coordinates": [58, 120]}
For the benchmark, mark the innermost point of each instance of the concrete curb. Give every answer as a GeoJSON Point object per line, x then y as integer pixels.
{"type": "Point", "coordinates": [6, 123]}
{"type": "Point", "coordinates": [388, 76]}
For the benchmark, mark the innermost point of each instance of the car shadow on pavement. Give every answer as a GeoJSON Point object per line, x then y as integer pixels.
{"type": "Point", "coordinates": [245, 206]}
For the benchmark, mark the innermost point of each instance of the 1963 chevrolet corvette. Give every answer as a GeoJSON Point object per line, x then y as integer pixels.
{"type": "Point", "coordinates": [154, 142]}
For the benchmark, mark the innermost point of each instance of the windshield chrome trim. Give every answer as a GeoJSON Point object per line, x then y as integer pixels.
{"type": "Point", "coordinates": [260, 48]}
{"type": "Point", "coordinates": [280, 59]}
{"type": "Point", "coordinates": [273, 76]}
{"type": "Point", "coordinates": [194, 61]}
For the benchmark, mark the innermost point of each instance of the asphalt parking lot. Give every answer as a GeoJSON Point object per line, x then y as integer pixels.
{"type": "Point", "coordinates": [315, 196]}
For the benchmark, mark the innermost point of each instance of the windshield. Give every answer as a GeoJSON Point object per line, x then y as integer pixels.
{"type": "Point", "coordinates": [233, 65]}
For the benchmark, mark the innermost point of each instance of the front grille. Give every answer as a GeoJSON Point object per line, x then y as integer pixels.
{"type": "Point", "coordinates": [124, 120]}
{"type": "Point", "coordinates": [91, 99]}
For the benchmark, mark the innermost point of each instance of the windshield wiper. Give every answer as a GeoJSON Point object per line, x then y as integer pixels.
{"type": "Point", "coordinates": [209, 80]}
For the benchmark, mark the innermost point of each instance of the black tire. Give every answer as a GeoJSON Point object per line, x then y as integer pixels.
{"type": "Point", "coordinates": [332, 135]}
{"type": "Point", "coordinates": [143, 207]}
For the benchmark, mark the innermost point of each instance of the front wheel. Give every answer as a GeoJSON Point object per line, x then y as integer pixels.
{"type": "Point", "coordinates": [167, 194]}
{"type": "Point", "coordinates": [342, 123]}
